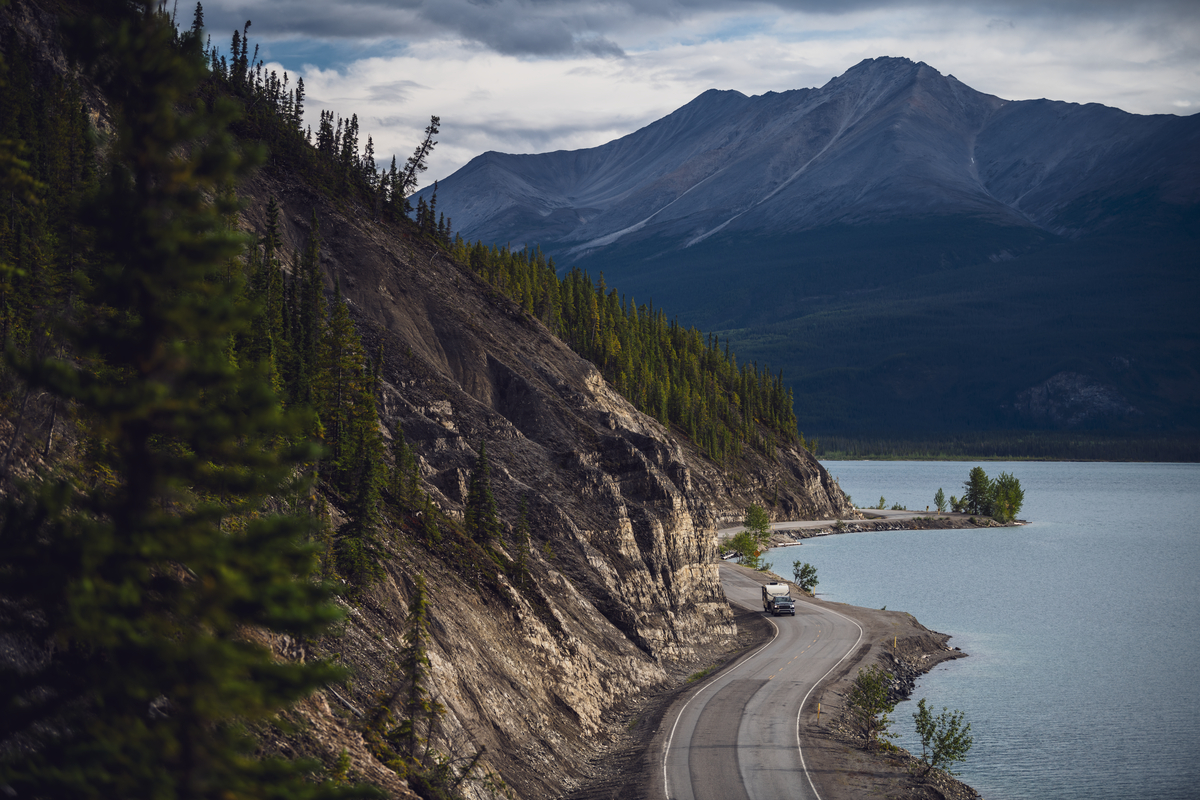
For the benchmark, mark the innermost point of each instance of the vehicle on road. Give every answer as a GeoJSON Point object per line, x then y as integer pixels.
{"type": "Point", "coordinates": [777, 600]}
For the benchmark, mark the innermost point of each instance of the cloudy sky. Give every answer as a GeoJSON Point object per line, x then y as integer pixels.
{"type": "Point", "coordinates": [529, 76]}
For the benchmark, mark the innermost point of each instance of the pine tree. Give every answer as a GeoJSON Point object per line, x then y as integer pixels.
{"type": "Point", "coordinates": [405, 483]}
{"type": "Point", "coordinates": [310, 314]}
{"type": "Point", "coordinates": [482, 518]}
{"type": "Point", "coordinates": [429, 524]}
{"type": "Point", "coordinates": [521, 540]}
{"type": "Point", "coordinates": [421, 713]}
{"type": "Point", "coordinates": [141, 585]}
{"type": "Point", "coordinates": [358, 547]}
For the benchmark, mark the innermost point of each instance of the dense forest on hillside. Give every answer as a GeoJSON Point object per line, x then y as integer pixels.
{"type": "Point", "coordinates": [167, 381]}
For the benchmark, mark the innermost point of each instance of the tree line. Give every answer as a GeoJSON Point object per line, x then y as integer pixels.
{"type": "Point", "coordinates": [333, 156]}
{"type": "Point", "coordinates": [684, 379]}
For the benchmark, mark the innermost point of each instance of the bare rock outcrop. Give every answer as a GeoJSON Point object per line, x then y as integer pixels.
{"type": "Point", "coordinates": [623, 513]}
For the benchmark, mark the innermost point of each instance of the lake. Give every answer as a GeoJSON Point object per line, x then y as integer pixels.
{"type": "Point", "coordinates": [1082, 626]}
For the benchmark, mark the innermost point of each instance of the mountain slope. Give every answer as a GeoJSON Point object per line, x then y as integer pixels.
{"type": "Point", "coordinates": [618, 595]}
{"type": "Point", "coordinates": [802, 224]}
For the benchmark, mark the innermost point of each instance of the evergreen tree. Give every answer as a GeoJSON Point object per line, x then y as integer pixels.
{"type": "Point", "coordinates": [140, 585]}
{"type": "Point", "coordinates": [405, 485]}
{"type": "Point", "coordinates": [429, 524]}
{"type": "Point", "coordinates": [358, 548]}
{"type": "Point", "coordinates": [521, 541]}
{"type": "Point", "coordinates": [341, 390]}
{"type": "Point", "coordinates": [310, 313]}
{"type": "Point", "coordinates": [417, 162]}
{"type": "Point", "coordinates": [482, 518]}
{"type": "Point", "coordinates": [1007, 497]}
{"type": "Point", "coordinates": [977, 498]}
{"type": "Point", "coordinates": [411, 737]}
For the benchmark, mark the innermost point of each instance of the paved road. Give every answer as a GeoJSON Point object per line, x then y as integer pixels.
{"type": "Point", "coordinates": [868, 513]}
{"type": "Point", "coordinates": [737, 737]}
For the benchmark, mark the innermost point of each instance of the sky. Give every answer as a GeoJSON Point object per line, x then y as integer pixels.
{"type": "Point", "coordinates": [531, 76]}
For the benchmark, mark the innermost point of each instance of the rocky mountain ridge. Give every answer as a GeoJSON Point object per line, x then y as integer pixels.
{"type": "Point", "coordinates": [889, 138]}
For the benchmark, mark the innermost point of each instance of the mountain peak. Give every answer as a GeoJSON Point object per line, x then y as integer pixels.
{"type": "Point", "coordinates": [890, 137]}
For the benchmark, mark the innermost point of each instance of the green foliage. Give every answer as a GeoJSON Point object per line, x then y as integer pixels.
{"type": "Point", "coordinates": [669, 372]}
{"type": "Point", "coordinates": [47, 167]}
{"type": "Point", "coordinates": [521, 542]}
{"type": "Point", "coordinates": [939, 500]}
{"type": "Point", "coordinates": [407, 745]}
{"type": "Point", "coordinates": [805, 575]}
{"type": "Point", "coordinates": [1007, 497]}
{"type": "Point", "coordinates": [1000, 499]}
{"type": "Point", "coordinates": [748, 549]}
{"type": "Point", "coordinates": [758, 524]}
{"type": "Point", "coordinates": [977, 492]}
{"type": "Point", "coordinates": [141, 579]}
{"type": "Point", "coordinates": [882, 503]}
{"type": "Point", "coordinates": [406, 478]}
{"type": "Point", "coordinates": [869, 706]}
{"type": "Point", "coordinates": [1020, 446]}
{"type": "Point", "coordinates": [481, 515]}
{"type": "Point", "coordinates": [944, 738]}
{"type": "Point", "coordinates": [754, 540]}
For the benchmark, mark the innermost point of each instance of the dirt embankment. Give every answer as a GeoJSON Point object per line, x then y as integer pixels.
{"type": "Point", "coordinates": [841, 768]}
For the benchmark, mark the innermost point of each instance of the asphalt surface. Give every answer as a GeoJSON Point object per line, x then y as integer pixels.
{"type": "Point", "coordinates": [867, 514]}
{"type": "Point", "coordinates": [737, 737]}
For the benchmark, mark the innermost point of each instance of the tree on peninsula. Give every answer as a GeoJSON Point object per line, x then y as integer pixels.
{"type": "Point", "coordinates": [1000, 499]}
{"type": "Point", "coordinates": [977, 497]}
{"type": "Point", "coordinates": [1007, 497]}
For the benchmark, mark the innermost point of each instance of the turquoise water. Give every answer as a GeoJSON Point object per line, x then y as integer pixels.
{"type": "Point", "coordinates": [1082, 627]}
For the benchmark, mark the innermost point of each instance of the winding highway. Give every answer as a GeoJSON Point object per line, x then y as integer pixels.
{"type": "Point", "coordinates": [737, 737]}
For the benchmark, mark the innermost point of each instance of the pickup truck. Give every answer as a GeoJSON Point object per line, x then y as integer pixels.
{"type": "Point", "coordinates": [777, 600]}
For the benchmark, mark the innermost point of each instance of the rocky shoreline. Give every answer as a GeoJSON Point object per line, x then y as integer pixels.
{"type": "Point", "coordinates": [784, 537]}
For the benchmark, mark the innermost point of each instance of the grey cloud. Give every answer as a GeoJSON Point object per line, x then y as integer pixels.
{"type": "Point", "coordinates": [395, 91]}
{"type": "Point", "coordinates": [571, 27]}
{"type": "Point", "coordinates": [517, 135]}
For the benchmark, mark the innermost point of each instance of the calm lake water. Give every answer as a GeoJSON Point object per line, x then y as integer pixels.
{"type": "Point", "coordinates": [1083, 626]}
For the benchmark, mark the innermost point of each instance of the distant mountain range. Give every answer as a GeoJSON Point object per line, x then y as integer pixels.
{"type": "Point", "coordinates": [916, 255]}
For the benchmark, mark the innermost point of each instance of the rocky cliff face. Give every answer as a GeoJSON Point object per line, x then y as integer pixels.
{"type": "Point", "coordinates": [623, 513]}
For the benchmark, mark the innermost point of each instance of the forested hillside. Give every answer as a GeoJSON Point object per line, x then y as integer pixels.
{"type": "Point", "coordinates": [258, 427]}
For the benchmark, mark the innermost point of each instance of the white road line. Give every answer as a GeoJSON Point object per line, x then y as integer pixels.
{"type": "Point", "coordinates": [799, 749]}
